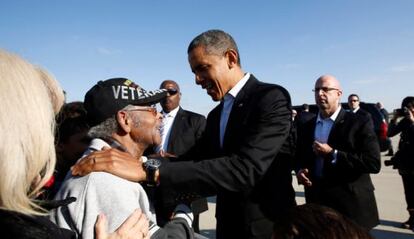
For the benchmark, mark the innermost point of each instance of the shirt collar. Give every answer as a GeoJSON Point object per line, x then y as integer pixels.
{"type": "Point", "coordinates": [332, 117]}
{"type": "Point", "coordinates": [98, 144]}
{"type": "Point", "coordinates": [356, 109]}
{"type": "Point", "coordinates": [172, 113]}
{"type": "Point", "coordinates": [236, 89]}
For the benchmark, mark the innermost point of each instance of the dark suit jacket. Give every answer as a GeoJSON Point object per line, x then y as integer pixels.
{"type": "Point", "coordinates": [186, 129]}
{"type": "Point", "coordinates": [364, 114]}
{"type": "Point", "coordinates": [346, 185]}
{"type": "Point", "coordinates": [250, 175]}
{"type": "Point", "coordinates": [304, 116]}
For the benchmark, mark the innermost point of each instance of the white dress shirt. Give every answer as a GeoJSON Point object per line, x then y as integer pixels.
{"type": "Point", "coordinates": [228, 104]}
{"type": "Point", "coordinates": [355, 110]}
{"type": "Point", "coordinates": [165, 131]}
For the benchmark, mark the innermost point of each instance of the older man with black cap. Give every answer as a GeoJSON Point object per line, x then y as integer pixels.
{"type": "Point", "coordinates": [121, 116]}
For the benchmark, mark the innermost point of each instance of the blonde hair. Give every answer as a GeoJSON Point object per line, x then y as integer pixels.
{"type": "Point", "coordinates": [26, 134]}
{"type": "Point", "coordinates": [55, 92]}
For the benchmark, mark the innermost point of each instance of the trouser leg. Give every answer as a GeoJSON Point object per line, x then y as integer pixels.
{"type": "Point", "coordinates": [408, 183]}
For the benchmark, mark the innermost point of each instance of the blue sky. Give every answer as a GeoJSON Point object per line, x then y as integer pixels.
{"type": "Point", "coordinates": [367, 44]}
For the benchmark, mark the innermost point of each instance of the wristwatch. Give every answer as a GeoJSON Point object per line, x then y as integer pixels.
{"type": "Point", "coordinates": [151, 166]}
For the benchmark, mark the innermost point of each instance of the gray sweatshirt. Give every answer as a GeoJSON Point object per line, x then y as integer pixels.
{"type": "Point", "coordinates": [117, 198]}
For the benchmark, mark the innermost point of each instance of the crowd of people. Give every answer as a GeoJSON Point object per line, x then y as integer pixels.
{"type": "Point", "coordinates": [147, 174]}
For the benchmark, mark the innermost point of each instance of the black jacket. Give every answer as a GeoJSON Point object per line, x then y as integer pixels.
{"type": "Point", "coordinates": [248, 174]}
{"type": "Point", "coordinates": [16, 225]}
{"type": "Point", "coordinates": [404, 158]}
{"type": "Point", "coordinates": [186, 130]}
{"type": "Point", "coordinates": [346, 185]}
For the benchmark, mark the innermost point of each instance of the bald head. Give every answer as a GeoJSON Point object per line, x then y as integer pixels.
{"type": "Point", "coordinates": [328, 94]}
{"type": "Point", "coordinates": [333, 82]}
{"type": "Point", "coordinates": [169, 82]}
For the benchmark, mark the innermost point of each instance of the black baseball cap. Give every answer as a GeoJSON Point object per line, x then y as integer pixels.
{"type": "Point", "coordinates": [108, 97]}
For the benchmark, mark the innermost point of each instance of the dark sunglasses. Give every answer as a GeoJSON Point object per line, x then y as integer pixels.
{"type": "Point", "coordinates": [172, 91]}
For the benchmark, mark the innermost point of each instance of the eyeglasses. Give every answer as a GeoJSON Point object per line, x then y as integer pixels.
{"type": "Point", "coordinates": [353, 100]}
{"type": "Point", "coordinates": [323, 89]}
{"type": "Point", "coordinates": [153, 110]}
{"type": "Point", "coordinates": [172, 91]}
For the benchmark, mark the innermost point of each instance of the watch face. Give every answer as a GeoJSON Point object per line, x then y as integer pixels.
{"type": "Point", "coordinates": [154, 163]}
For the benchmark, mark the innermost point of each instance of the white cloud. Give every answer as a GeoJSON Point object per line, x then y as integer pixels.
{"type": "Point", "coordinates": [107, 51]}
{"type": "Point", "coordinates": [403, 68]}
{"type": "Point", "coordinates": [369, 80]}
{"type": "Point", "coordinates": [364, 82]}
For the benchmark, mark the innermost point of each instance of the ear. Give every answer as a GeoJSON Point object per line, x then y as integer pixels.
{"type": "Point", "coordinates": [124, 121]}
{"type": "Point", "coordinates": [232, 58]}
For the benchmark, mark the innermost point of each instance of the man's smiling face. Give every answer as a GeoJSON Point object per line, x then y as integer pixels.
{"type": "Point", "coordinates": [211, 72]}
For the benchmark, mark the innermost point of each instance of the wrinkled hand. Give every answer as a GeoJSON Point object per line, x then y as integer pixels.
{"type": "Point", "coordinates": [136, 226]}
{"type": "Point", "coordinates": [112, 161]}
{"type": "Point", "coordinates": [321, 149]}
{"type": "Point", "coordinates": [303, 177]}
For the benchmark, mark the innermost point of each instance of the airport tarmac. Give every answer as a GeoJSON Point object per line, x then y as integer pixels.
{"type": "Point", "coordinates": [390, 200]}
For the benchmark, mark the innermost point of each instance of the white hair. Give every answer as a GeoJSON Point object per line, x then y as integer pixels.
{"type": "Point", "coordinates": [26, 134]}
{"type": "Point", "coordinates": [105, 129]}
{"type": "Point", "coordinates": [55, 92]}
{"type": "Point", "coordinates": [110, 125]}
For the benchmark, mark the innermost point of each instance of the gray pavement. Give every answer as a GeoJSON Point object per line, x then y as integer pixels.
{"type": "Point", "coordinates": [390, 200]}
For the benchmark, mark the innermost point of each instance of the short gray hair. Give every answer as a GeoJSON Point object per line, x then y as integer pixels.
{"type": "Point", "coordinates": [109, 126]}
{"type": "Point", "coordinates": [105, 129]}
{"type": "Point", "coordinates": [215, 42]}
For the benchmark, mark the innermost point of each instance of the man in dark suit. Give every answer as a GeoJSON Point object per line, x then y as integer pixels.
{"type": "Point", "coordinates": [337, 150]}
{"type": "Point", "coordinates": [304, 115]}
{"type": "Point", "coordinates": [181, 128]}
{"type": "Point", "coordinates": [353, 103]}
{"type": "Point", "coordinates": [244, 154]}
{"type": "Point", "coordinates": [179, 132]}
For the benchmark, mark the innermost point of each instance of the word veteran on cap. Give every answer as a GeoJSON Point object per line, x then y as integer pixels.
{"type": "Point", "coordinates": [128, 93]}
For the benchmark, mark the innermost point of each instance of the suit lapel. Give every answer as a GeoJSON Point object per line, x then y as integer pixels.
{"type": "Point", "coordinates": [212, 131]}
{"type": "Point", "coordinates": [176, 127]}
{"type": "Point", "coordinates": [337, 126]}
{"type": "Point", "coordinates": [238, 109]}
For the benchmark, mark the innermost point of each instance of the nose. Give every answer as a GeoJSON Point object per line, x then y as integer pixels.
{"type": "Point", "coordinates": [198, 79]}
{"type": "Point", "coordinates": [319, 92]}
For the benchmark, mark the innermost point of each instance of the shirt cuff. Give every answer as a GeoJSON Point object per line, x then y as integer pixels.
{"type": "Point", "coordinates": [153, 228]}
{"type": "Point", "coordinates": [334, 156]}
{"type": "Point", "coordinates": [184, 212]}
